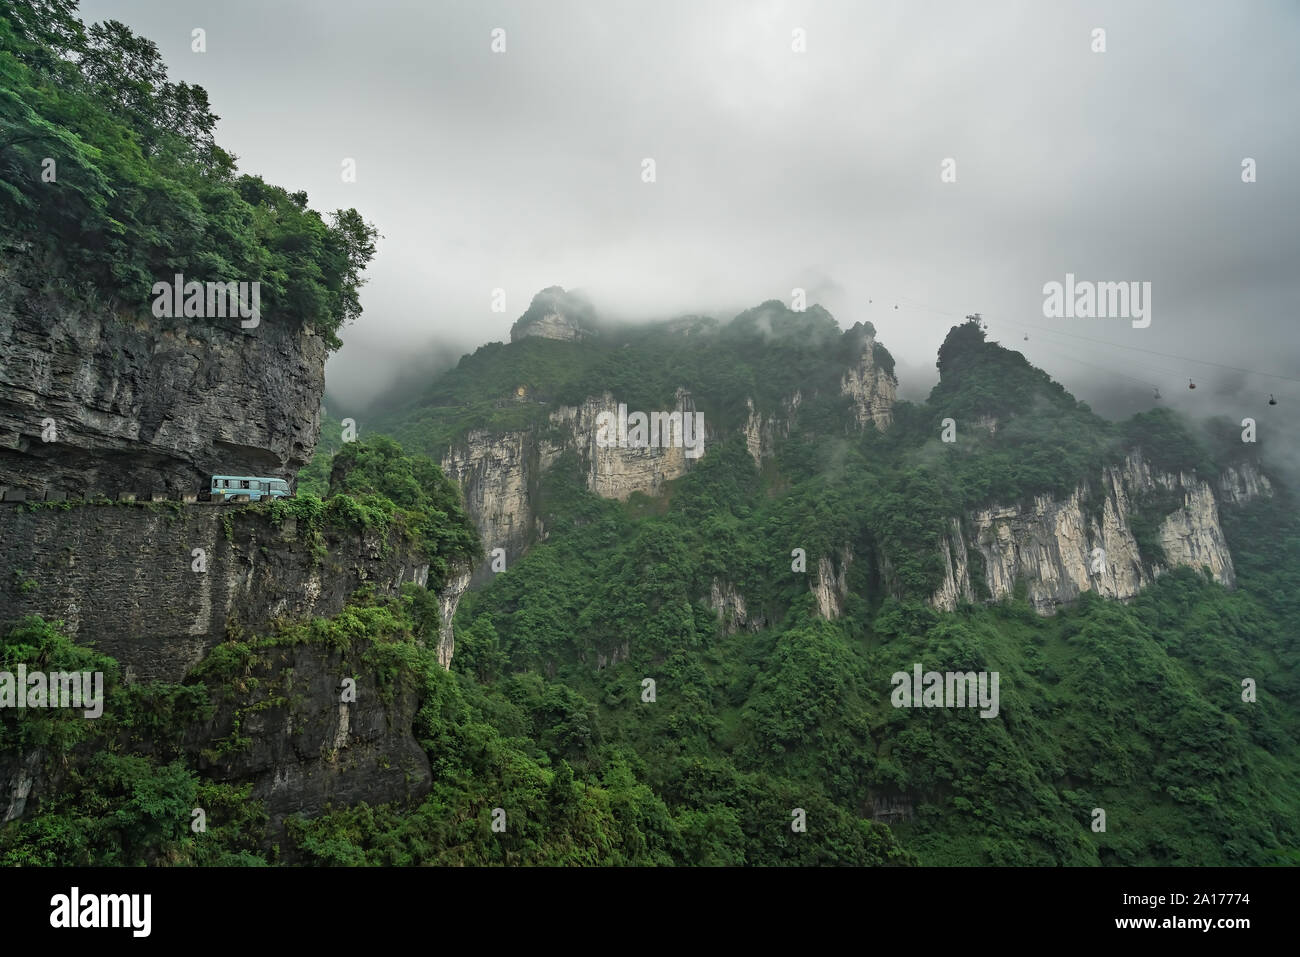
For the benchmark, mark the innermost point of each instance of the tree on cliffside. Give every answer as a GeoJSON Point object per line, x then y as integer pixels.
{"type": "Point", "coordinates": [110, 172]}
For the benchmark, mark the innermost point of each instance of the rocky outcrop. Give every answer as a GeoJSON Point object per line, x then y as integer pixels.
{"type": "Point", "coordinates": [616, 472]}
{"type": "Point", "coordinates": [553, 325]}
{"type": "Point", "coordinates": [124, 576]}
{"type": "Point", "coordinates": [93, 400]}
{"type": "Point", "coordinates": [763, 431]}
{"type": "Point", "coordinates": [158, 587]}
{"type": "Point", "coordinates": [729, 605]}
{"type": "Point", "coordinates": [1061, 548]}
{"type": "Point", "coordinates": [1242, 483]}
{"type": "Point", "coordinates": [302, 746]}
{"type": "Point", "coordinates": [555, 314]}
{"type": "Point", "coordinates": [871, 386]}
{"type": "Point", "coordinates": [282, 724]}
{"type": "Point", "coordinates": [499, 472]}
{"type": "Point", "coordinates": [830, 584]}
{"type": "Point", "coordinates": [448, 598]}
{"type": "Point", "coordinates": [956, 585]}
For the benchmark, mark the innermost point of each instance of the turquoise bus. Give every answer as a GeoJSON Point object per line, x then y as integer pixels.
{"type": "Point", "coordinates": [254, 487]}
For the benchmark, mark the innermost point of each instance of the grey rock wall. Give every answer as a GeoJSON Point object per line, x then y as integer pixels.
{"type": "Point", "coordinates": [142, 403]}
{"type": "Point", "coordinates": [120, 576]}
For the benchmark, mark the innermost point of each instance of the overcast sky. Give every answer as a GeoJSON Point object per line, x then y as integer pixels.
{"type": "Point", "coordinates": [779, 169]}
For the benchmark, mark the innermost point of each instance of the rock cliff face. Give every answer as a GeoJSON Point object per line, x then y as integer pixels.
{"type": "Point", "coordinates": [829, 583]}
{"type": "Point", "coordinates": [553, 325]}
{"type": "Point", "coordinates": [122, 576]}
{"type": "Point", "coordinates": [871, 386]}
{"type": "Point", "coordinates": [762, 432]}
{"type": "Point", "coordinates": [1243, 483]}
{"type": "Point", "coordinates": [729, 604]}
{"type": "Point", "coordinates": [1061, 548]}
{"type": "Point", "coordinates": [616, 471]}
{"type": "Point", "coordinates": [93, 401]}
{"type": "Point", "coordinates": [555, 314]}
{"type": "Point", "coordinates": [499, 472]}
{"type": "Point", "coordinates": [303, 748]}
{"type": "Point", "coordinates": [448, 599]}
{"type": "Point", "coordinates": [288, 733]}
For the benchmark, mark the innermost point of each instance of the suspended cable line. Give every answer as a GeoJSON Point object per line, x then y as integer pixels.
{"type": "Point", "coordinates": [1117, 345]}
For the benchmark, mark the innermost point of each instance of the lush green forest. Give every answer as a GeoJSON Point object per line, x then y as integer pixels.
{"type": "Point", "coordinates": [111, 180]}
{"type": "Point", "coordinates": [596, 696]}
{"type": "Point", "coordinates": [1135, 709]}
{"type": "Point", "coordinates": [1132, 708]}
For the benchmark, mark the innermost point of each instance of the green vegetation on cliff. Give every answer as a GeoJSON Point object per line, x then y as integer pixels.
{"type": "Point", "coordinates": [1136, 709]}
{"type": "Point", "coordinates": [138, 189]}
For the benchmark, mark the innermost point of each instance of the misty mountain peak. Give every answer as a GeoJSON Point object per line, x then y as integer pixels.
{"type": "Point", "coordinates": [556, 314]}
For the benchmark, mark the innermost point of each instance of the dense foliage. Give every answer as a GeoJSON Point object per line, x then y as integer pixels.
{"type": "Point", "coordinates": [378, 477]}
{"type": "Point", "coordinates": [123, 790]}
{"type": "Point", "coordinates": [608, 694]}
{"type": "Point", "coordinates": [110, 177]}
{"type": "Point", "coordinates": [766, 354]}
{"type": "Point", "coordinates": [1135, 709]}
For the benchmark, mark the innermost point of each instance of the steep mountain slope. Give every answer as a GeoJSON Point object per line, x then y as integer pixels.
{"type": "Point", "coordinates": [1003, 476]}
{"type": "Point", "coordinates": [831, 537]}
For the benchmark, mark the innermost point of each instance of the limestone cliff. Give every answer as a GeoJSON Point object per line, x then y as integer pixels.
{"type": "Point", "coordinates": [96, 400]}
{"type": "Point", "coordinates": [127, 579]}
{"type": "Point", "coordinates": [868, 382]}
{"type": "Point", "coordinates": [1087, 542]}
{"type": "Point", "coordinates": [555, 314]}
{"type": "Point", "coordinates": [829, 583]}
{"type": "Point", "coordinates": [729, 604]}
{"type": "Point", "coordinates": [499, 472]}
{"type": "Point", "coordinates": [123, 576]}
{"type": "Point", "coordinates": [762, 432]}
{"type": "Point", "coordinates": [448, 599]}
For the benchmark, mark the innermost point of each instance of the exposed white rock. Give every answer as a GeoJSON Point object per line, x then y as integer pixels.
{"type": "Point", "coordinates": [871, 387]}
{"type": "Point", "coordinates": [761, 431]}
{"type": "Point", "coordinates": [1242, 483]}
{"type": "Point", "coordinates": [616, 472]}
{"type": "Point", "coordinates": [729, 604]}
{"type": "Point", "coordinates": [553, 325]}
{"type": "Point", "coordinates": [830, 584]}
{"type": "Point", "coordinates": [1063, 548]}
{"type": "Point", "coordinates": [493, 471]}
{"type": "Point", "coordinates": [448, 599]}
{"type": "Point", "coordinates": [956, 585]}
